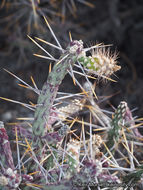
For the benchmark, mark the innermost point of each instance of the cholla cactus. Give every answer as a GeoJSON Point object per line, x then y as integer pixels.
{"type": "Point", "coordinates": [51, 158]}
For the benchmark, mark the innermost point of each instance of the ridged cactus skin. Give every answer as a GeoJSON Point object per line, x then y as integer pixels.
{"type": "Point", "coordinates": [5, 150]}
{"type": "Point", "coordinates": [50, 88]}
{"type": "Point", "coordinates": [122, 117]}
{"type": "Point", "coordinates": [116, 124]}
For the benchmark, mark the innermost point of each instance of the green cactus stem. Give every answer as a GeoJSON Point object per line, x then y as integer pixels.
{"type": "Point", "coordinates": [122, 117]}
{"type": "Point", "coordinates": [116, 123]}
{"type": "Point", "coordinates": [6, 158]}
{"type": "Point", "coordinates": [50, 88]}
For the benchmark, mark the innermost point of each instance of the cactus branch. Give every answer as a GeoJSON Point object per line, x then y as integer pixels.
{"type": "Point", "coordinates": [50, 88]}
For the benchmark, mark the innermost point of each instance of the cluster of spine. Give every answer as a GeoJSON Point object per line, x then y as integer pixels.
{"type": "Point", "coordinates": [100, 62]}
{"type": "Point", "coordinates": [73, 148]}
{"type": "Point", "coordinates": [73, 107]}
{"type": "Point", "coordinates": [96, 144]}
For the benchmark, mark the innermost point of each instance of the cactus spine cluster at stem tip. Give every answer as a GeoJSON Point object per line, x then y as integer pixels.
{"type": "Point", "coordinates": [101, 62]}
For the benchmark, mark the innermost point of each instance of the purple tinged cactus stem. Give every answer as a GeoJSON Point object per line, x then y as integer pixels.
{"type": "Point", "coordinates": [8, 175]}
{"type": "Point", "coordinates": [50, 88]}
{"type": "Point", "coordinates": [81, 179]}
{"type": "Point", "coordinates": [55, 137]}
{"type": "Point", "coordinates": [129, 122]}
{"type": "Point", "coordinates": [5, 151]}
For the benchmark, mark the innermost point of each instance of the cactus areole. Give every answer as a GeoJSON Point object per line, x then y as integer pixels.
{"type": "Point", "coordinates": [50, 87]}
